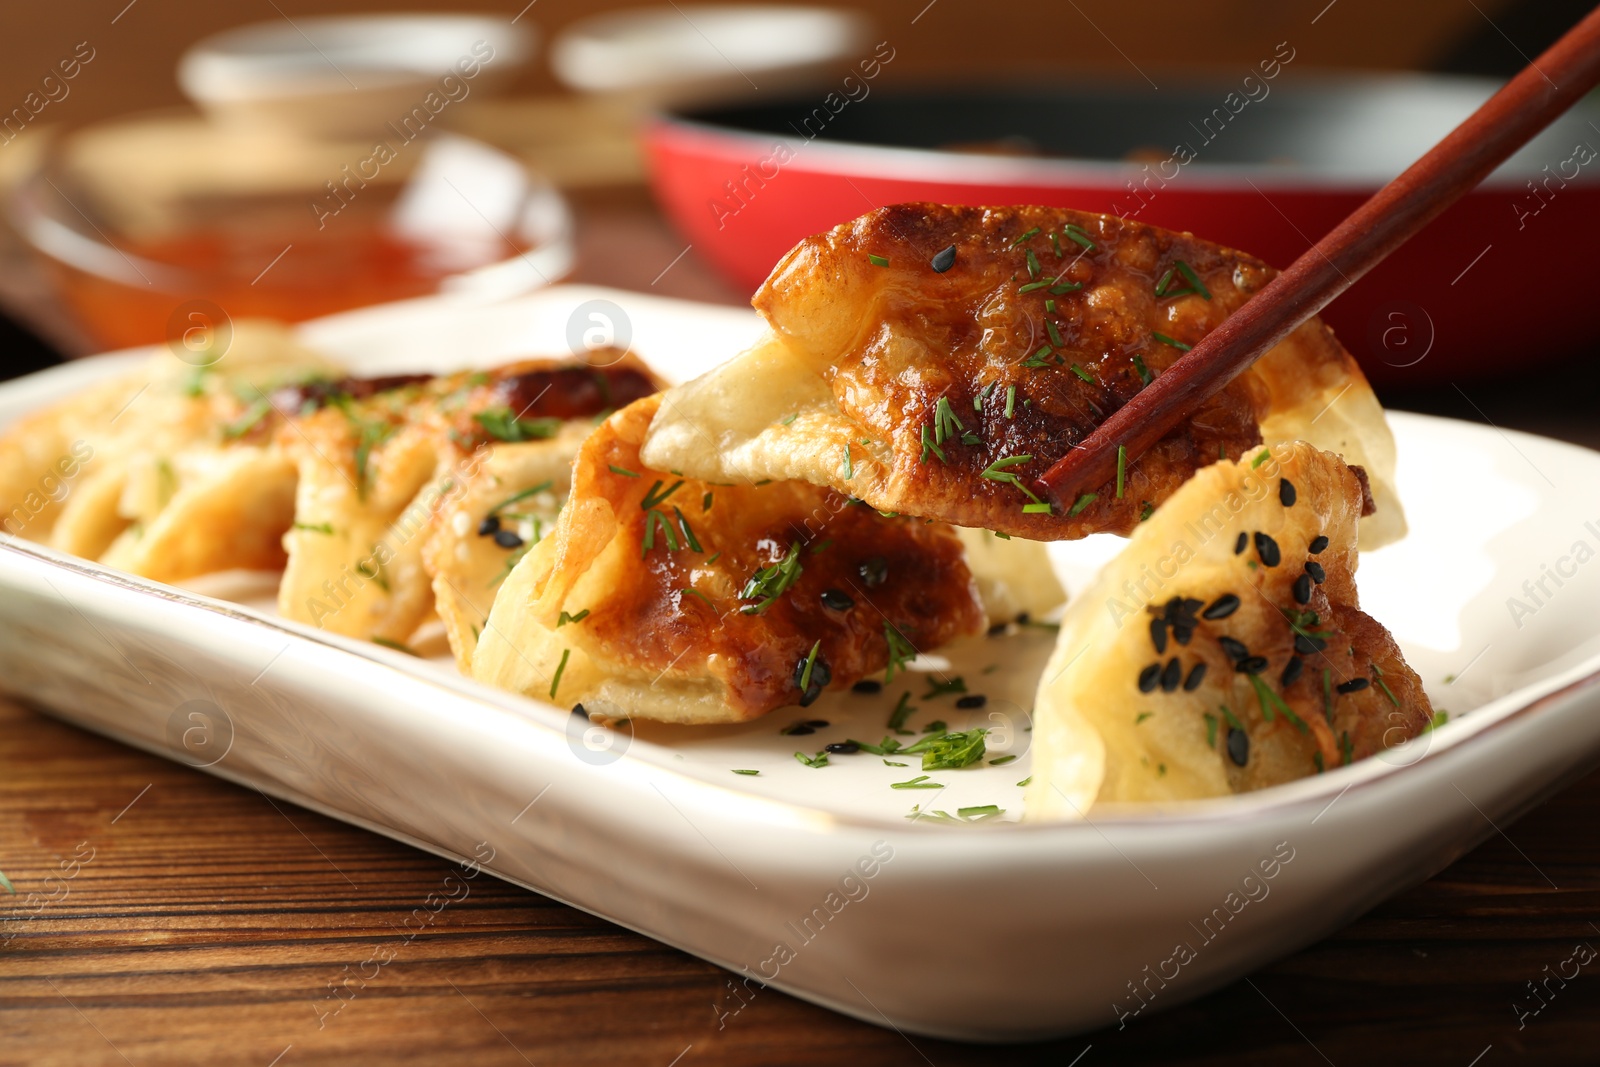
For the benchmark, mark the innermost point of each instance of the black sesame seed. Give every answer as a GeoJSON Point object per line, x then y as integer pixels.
{"type": "Point", "coordinates": [1292, 671]}
{"type": "Point", "coordinates": [489, 526]}
{"type": "Point", "coordinates": [1239, 545]}
{"type": "Point", "coordinates": [798, 729]}
{"type": "Point", "coordinates": [1238, 746]}
{"type": "Point", "coordinates": [1318, 543]}
{"type": "Point", "coordinates": [1181, 634]}
{"type": "Point", "coordinates": [837, 599]}
{"type": "Point", "coordinates": [972, 700]}
{"type": "Point", "coordinates": [1314, 569]}
{"type": "Point", "coordinates": [1235, 648]}
{"type": "Point", "coordinates": [1267, 549]}
{"type": "Point", "coordinates": [1251, 665]}
{"type": "Point", "coordinates": [1024, 618]}
{"type": "Point", "coordinates": [1191, 605]}
{"type": "Point", "coordinates": [867, 685]}
{"type": "Point", "coordinates": [1354, 685]}
{"type": "Point", "coordinates": [1196, 676]}
{"type": "Point", "coordinates": [1158, 635]}
{"type": "Point", "coordinates": [821, 675]}
{"type": "Point", "coordinates": [507, 539]}
{"type": "Point", "coordinates": [578, 709]}
{"type": "Point", "coordinates": [1171, 676]}
{"type": "Point", "coordinates": [1286, 493]}
{"type": "Point", "coordinates": [998, 629]}
{"type": "Point", "coordinates": [1302, 589]}
{"type": "Point", "coordinates": [842, 748]}
{"type": "Point", "coordinates": [874, 572]}
{"type": "Point", "coordinates": [1306, 645]}
{"type": "Point", "coordinates": [943, 260]}
{"type": "Point", "coordinates": [1149, 678]}
{"type": "Point", "coordinates": [1221, 608]}
{"type": "Point", "coordinates": [818, 724]}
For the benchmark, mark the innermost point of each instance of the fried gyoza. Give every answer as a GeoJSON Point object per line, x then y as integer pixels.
{"type": "Point", "coordinates": [377, 459]}
{"type": "Point", "coordinates": [172, 478]}
{"type": "Point", "coordinates": [669, 598]}
{"type": "Point", "coordinates": [506, 502]}
{"type": "Point", "coordinates": [1223, 649]}
{"type": "Point", "coordinates": [933, 360]}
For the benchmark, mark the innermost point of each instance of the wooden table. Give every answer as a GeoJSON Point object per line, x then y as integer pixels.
{"type": "Point", "coordinates": [192, 921]}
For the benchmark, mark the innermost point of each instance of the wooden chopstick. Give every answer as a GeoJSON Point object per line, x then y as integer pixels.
{"type": "Point", "coordinates": [1508, 120]}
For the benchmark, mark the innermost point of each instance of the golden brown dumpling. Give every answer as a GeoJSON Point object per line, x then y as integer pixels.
{"type": "Point", "coordinates": [668, 598]}
{"type": "Point", "coordinates": [933, 360]}
{"type": "Point", "coordinates": [1223, 649]}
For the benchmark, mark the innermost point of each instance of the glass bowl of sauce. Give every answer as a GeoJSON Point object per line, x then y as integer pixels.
{"type": "Point", "coordinates": [146, 222]}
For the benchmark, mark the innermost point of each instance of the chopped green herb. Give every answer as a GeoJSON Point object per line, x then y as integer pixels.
{"type": "Point", "coordinates": [877, 261]}
{"type": "Point", "coordinates": [811, 662]}
{"type": "Point", "coordinates": [517, 498]}
{"type": "Point", "coordinates": [624, 471]}
{"type": "Point", "coordinates": [930, 445]}
{"type": "Point", "coordinates": [1000, 761]}
{"type": "Point", "coordinates": [1065, 287]}
{"type": "Point", "coordinates": [1025, 781]}
{"type": "Point", "coordinates": [713, 558]}
{"type": "Point", "coordinates": [772, 581]}
{"type": "Point", "coordinates": [1377, 677]}
{"type": "Point", "coordinates": [315, 527]}
{"type": "Point", "coordinates": [1055, 243]}
{"type": "Point", "coordinates": [945, 421]}
{"type": "Point", "coordinates": [1033, 287]}
{"type": "Point", "coordinates": [902, 712]}
{"type": "Point", "coordinates": [1440, 717]}
{"type": "Point", "coordinates": [998, 471]}
{"type": "Point", "coordinates": [1055, 334]}
{"type": "Point", "coordinates": [901, 651]}
{"type": "Point", "coordinates": [1033, 264]}
{"type": "Point", "coordinates": [705, 502]}
{"type": "Point", "coordinates": [919, 782]}
{"type": "Point", "coordinates": [248, 420]}
{"type": "Point", "coordinates": [937, 726]}
{"type": "Point", "coordinates": [1040, 508]}
{"type": "Point", "coordinates": [892, 763]}
{"type": "Point", "coordinates": [1026, 235]}
{"type": "Point", "coordinates": [655, 520]}
{"type": "Point", "coordinates": [742, 771]}
{"type": "Point", "coordinates": [953, 751]}
{"type": "Point", "coordinates": [398, 646]}
{"type": "Point", "coordinates": [1211, 730]}
{"type": "Point", "coordinates": [1080, 372]}
{"type": "Point", "coordinates": [1346, 749]}
{"type": "Point", "coordinates": [1080, 235]}
{"type": "Point", "coordinates": [1174, 342]}
{"type": "Point", "coordinates": [1316, 761]}
{"type": "Point", "coordinates": [1145, 512]}
{"type": "Point", "coordinates": [561, 667]}
{"type": "Point", "coordinates": [819, 760]}
{"type": "Point", "coordinates": [1270, 700]}
{"type": "Point", "coordinates": [651, 499]}
{"type": "Point", "coordinates": [565, 618]}
{"type": "Point", "coordinates": [790, 418]}
{"type": "Point", "coordinates": [688, 531]}
{"type": "Point", "coordinates": [1082, 502]}
{"type": "Point", "coordinates": [690, 590]}
{"type": "Point", "coordinates": [1261, 457]}
{"type": "Point", "coordinates": [1144, 372]}
{"type": "Point", "coordinates": [1141, 717]}
{"type": "Point", "coordinates": [979, 811]}
{"type": "Point", "coordinates": [937, 688]}
{"type": "Point", "coordinates": [1233, 720]}
{"type": "Point", "coordinates": [1122, 468]}
{"type": "Point", "coordinates": [1011, 400]}
{"type": "Point", "coordinates": [501, 425]}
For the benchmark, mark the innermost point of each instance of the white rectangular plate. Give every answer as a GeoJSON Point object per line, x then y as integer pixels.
{"type": "Point", "coordinates": [813, 880]}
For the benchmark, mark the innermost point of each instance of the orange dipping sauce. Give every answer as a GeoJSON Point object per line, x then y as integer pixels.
{"type": "Point", "coordinates": [269, 263]}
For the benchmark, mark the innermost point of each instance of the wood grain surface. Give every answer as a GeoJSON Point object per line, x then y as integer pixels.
{"type": "Point", "coordinates": [166, 917]}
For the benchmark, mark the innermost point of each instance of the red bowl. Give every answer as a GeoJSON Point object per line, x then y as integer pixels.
{"type": "Point", "coordinates": [1493, 284]}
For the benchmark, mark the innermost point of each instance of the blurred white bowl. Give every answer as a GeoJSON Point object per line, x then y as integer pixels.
{"type": "Point", "coordinates": [692, 47]}
{"type": "Point", "coordinates": [348, 76]}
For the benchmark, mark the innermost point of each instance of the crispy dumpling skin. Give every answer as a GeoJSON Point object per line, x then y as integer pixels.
{"type": "Point", "coordinates": [124, 437]}
{"type": "Point", "coordinates": [594, 615]}
{"type": "Point", "coordinates": [869, 340]}
{"type": "Point", "coordinates": [521, 488]}
{"type": "Point", "coordinates": [377, 458]}
{"type": "Point", "coordinates": [1157, 665]}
